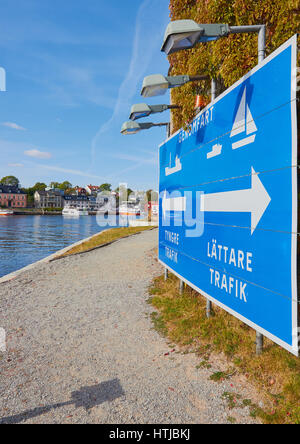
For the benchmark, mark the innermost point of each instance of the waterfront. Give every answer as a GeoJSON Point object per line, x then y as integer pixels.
{"type": "Point", "coordinates": [27, 239]}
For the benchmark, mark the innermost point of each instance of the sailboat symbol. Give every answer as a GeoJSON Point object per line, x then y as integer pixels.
{"type": "Point", "coordinates": [243, 123]}
{"type": "Point", "coordinates": [171, 170]}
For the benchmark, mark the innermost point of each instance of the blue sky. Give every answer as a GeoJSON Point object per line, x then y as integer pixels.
{"type": "Point", "coordinates": [73, 69]}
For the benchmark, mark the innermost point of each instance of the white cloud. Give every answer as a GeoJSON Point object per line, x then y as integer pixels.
{"type": "Point", "coordinates": [13, 125]}
{"type": "Point", "coordinates": [69, 171]}
{"type": "Point", "coordinates": [38, 154]}
{"type": "Point", "coordinates": [16, 165]}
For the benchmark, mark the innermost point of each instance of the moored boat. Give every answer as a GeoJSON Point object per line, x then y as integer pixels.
{"type": "Point", "coordinates": [4, 212]}
{"type": "Point", "coordinates": [69, 211]}
{"type": "Point", "coordinates": [129, 209]}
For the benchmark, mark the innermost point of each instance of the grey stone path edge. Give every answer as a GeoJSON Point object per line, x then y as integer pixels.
{"type": "Point", "coordinates": [81, 347]}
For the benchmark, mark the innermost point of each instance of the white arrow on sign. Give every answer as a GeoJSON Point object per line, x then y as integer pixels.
{"type": "Point", "coordinates": [173, 204]}
{"type": "Point", "coordinates": [254, 200]}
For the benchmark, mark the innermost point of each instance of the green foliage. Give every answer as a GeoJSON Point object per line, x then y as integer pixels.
{"type": "Point", "coordinates": [66, 185]}
{"type": "Point", "coordinates": [39, 186]}
{"type": "Point", "coordinates": [123, 192]}
{"type": "Point", "coordinates": [53, 210]}
{"type": "Point", "coordinates": [105, 187]}
{"type": "Point", "coordinates": [10, 180]}
{"type": "Point", "coordinates": [229, 58]}
{"type": "Point", "coordinates": [152, 196]}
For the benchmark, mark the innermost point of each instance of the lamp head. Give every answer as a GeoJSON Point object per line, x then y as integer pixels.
{"type": "Point", "coordinates": [130, 127]}
{"type": "Point", "coordinates": [139, 110]}
{"type": "Point", "coordinates": [185, 34]}
{"type": "Point", "coordinates": [154, 85]}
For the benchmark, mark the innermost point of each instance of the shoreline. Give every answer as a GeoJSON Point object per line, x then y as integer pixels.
{"type": "Point", "coordinates": [18, 212]}
{"type": "Point", "coordinates": [59, 255]}
{"type": "Point", "coordinates": [47, 259]}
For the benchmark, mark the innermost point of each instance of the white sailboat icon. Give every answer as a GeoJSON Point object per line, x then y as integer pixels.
{"type": "Point", "coordinates": [171, 170]}
{"type": "Point", "coordinates": [243, 123]}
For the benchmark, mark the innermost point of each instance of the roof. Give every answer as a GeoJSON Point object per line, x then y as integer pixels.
{"type": "Point", "coordinates": [93, 187]}
{"type": "Point", "coordinates": [49, 193]}
{"type": "Point", "coordinates": [10, 189]}
{"type": "Point", "coordinates": [75, 197]}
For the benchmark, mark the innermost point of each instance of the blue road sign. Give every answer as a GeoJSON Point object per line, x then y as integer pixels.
{"type": "Point", "coordinates": [228, 200]}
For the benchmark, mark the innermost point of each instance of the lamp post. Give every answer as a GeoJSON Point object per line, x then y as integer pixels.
{"type": "Point", "coordinates": [131, 127]}
{"type": "Point", "coordinates": [185, 34]}
{"type": "Point", "coordinates": [143, 110]}
{"type": "Point", "coordinates": [157, 84]}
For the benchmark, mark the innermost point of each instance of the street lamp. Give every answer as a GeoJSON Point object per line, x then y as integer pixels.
{"type": "Point", "coordinates": [157, 84]}
{"type": "Point", "coordinates": [185, 34]}
{"type": "Point", "coordinates": [143, 110]}
{"type": "Point", "coordinates": [131, 127]}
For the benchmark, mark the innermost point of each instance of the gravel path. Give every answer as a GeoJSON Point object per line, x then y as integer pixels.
{"type": "Point", "coordinates": [81, 348]}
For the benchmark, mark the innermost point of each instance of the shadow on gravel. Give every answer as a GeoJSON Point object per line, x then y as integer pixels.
{"type": "Point", "coordinates": [87, 397]}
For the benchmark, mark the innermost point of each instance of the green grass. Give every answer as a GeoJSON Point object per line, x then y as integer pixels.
{"type": "Point", "coordinates": [276, 373]}
{"type": "Point", "coordinates": [104, 238]}
{"type": "Point", "coordinates": [231, 419]}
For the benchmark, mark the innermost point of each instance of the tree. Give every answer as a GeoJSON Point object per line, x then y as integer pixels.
{"type": "Point", "coordinates": [54, 185]}
{"type": "Point", "coordinates": [10, 181]}
{"type": "Point", "coordinates": [39, 186]}
{"type": "Point", "coordinates": [152, 196]}
{"type": "Point", "coordinates": [105, 187]}
{"type": "Point", "coordinates": [123, 192]}
{"type": "Point", "coordinates": [66, 185]}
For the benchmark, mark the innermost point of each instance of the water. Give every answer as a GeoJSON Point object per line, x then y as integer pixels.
{"type": "Point", "coordinates": [27, 239]}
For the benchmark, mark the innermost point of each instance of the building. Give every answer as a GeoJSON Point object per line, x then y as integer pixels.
{"type": "Point", "coordinates": [80, 191]}
{"type": "Point", "coordinates": [81, 202]}
{"type": "Point", "coordinates": [12, 197]}
{"type": "Point", "coordinates": [76, 201]}
{"type": "Point", "coordinates": [92, 190]}
{"type": "Point", "coordinates": [48, 199]}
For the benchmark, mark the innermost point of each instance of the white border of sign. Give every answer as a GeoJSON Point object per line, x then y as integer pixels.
{"type": "Point", "coordinates": [295, 347]}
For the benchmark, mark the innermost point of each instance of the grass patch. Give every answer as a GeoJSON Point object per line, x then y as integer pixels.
{"type": "Point", "coordinates": [159, 324]}
{"type": "Point", "coordinates": [107, 236]}
{"type": "Point", "coordinates": [204, 364]}
{"type": "Point", "coordinates": [276, 373]}
{"type": "Point", "coordinates": [220, 376]}
{"type": "Point", "coordinates": [231, 419]}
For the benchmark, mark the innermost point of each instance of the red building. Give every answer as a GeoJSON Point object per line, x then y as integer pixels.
{"type": "Point", "coordinates": [80, 190]}
{"type": "Point", "coordinates": [12, 197]}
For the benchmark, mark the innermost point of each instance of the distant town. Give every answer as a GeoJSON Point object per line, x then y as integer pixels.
{"type": "Point", "coordinates": [56, 197]}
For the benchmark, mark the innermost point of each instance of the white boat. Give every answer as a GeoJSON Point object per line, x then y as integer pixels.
{"type": "Point", "coordinates": [4, 212]}
{"type": "Point", "coordinates": [69, 211]}
{"type": "Point", "coordinates": [129, 209]}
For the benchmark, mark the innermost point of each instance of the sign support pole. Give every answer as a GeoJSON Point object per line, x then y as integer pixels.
{"type": "Point", "coordinates": [181, 286]}
{"type": "Point", "coordinates": [261, 56]}
{"type": "Point", "coordinates": [213, 96]}
{"type": "Point", "coordinates": [259, 343]}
